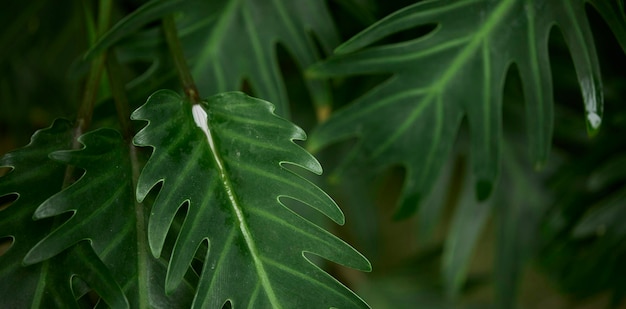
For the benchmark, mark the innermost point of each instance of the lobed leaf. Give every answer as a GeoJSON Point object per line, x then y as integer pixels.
{"type": "Point", "coordinates": [455, 71]}
{"type": "Point", "coordinates": [106, 214]}
{"type": "Point", "coordinates": [34, 177]}
{"type": "Point", "coordinates": [230, 41]}
{"type": "Point", "coordinates": [224, 161]}
{"type": "Point", "coordinates": [240, 43]}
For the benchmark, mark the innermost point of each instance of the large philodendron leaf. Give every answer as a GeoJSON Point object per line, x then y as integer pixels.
{"type": "Point", "coordinates": [34, 177]}
{"type": "Point", "coordinates": [108, 216]}
{"type": "Point", "coordinates": [457, 70]}
{"type": "Point", "coordinates": [240, 42]}
{"type": "Point", "coordinates": [231, 41]}
{"type": "Point", "coordinates": [223, 160]}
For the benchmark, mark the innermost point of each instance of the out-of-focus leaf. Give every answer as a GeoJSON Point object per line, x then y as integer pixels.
{"type": "Point", "coordinates": [467, 225]}
{"type": "Point", "coordinates": [362, 10]}
{"type": "Point", "coordinates": [614, 13]}
{"type": "Point", "coordinates": [149, 12]}
{"type": "Point", "coordinates": [34, 89]}
{"type": "Point", "coordinates": [605, 216]}
{"type": "Point", "coordinates": [223, 159]}
{"type": "Point", "coordinates": [238, 39]}
{"type": "Point", "coordinates": [582, 241]}
{"type": "Point", "coordinates": [401, 293]}
{"type": "Point", "coordinates": [416, 283]}
{"type": "Point", "coordinates": [230, 41]}
{"type": "Point", "coordinates": [457, 70]}
{"type": "Point", "coordinates": [35, 177]}
{"type": "Point", "coordinates": [107, 215]}
{"type": "Point", "coordinates": [520, 204]}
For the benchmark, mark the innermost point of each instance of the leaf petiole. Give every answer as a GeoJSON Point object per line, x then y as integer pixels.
{"type": "Point", "coordinates": [171, 36]}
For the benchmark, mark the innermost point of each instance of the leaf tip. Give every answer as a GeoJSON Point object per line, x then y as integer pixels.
{"type": "Point", "coordinates": [368, 266]}
{"type": "Point", "coordinates": [594, 122]}
{"type": "Point", "coordinates": [483, 189]}
{"type": "Point", "coordinates": [408, 206]}
{"type": "Point", "coordinates": [45, 210]}
{"type": "Point", "coordinates": [155, 240]}
{"type": "Point", "coordinates": [33, 256]}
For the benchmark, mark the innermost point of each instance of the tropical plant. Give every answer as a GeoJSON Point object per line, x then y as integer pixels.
{"type": "Point", "coordinates": [195, 196]}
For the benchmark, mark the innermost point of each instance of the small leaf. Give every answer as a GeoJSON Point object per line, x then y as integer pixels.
{"type": "Point", "coordinates": [224, 160]}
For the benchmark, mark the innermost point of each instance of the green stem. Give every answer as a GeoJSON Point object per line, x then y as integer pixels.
{"type": "Point", "coordinates": [85, 111]}
{"type": "Point", "coordinates": [171, 36]}
{"type": "Point", "coordinates": [142, 235]}
{"type": "Point", "coordinates": [118, 90]}
{"type": "Point", "coordinates": [123, 114]}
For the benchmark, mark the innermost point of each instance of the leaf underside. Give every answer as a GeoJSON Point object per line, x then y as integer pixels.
{"type": "Point", "coordinates": [455, 71]}
{"type": "Point", "coordinates": [230, 177]}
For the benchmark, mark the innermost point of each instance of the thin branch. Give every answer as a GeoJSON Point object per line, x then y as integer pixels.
{"type": "Point", "coordinates": [85, 111]}
{"type": "Point", "coordinates": [118, 90]}
{"type": "Point", "coordinates": [171, 36]}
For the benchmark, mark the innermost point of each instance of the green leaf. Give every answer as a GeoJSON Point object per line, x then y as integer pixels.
{"type": "Point", "coordinates": [615, 15]}
{"type": "Point", "coordinates": [584, 230]}
{"type": "Point", "coordinates": [239, 42]}
{"type": "Point", "coordinates": [225, 161]}
{"type": "Point", "coordinates": [228, 42]}
{"type": "Point", "coordinates": [457, 70]}
{"type": "Point", "coordinates": [149, 12]}
{"type": "Point", "coordinates": [467, 225]}
{"type": "Point", "coordinates": [35, 177]}
{"type": "Point", "coordinates": [605, 217]}
{"type": "Point", "coordinates": [107, 215]}
{"type": "Point", "coordinates": [520, 204]}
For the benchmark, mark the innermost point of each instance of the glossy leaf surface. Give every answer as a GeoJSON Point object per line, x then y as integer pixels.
{"type": "Point", "coordinates": [457, 70]}
{"type": "Point", "coordinates": [224, 161]}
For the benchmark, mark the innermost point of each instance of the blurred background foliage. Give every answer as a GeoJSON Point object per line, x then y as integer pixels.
{"type": "Point", "coordinates": [548, 238]}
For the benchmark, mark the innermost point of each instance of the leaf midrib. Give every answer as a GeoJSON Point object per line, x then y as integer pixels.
{"type": "Point", "coordinates": [439, 86]}
{"type": "Point", "coordinates": [237, 207]}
